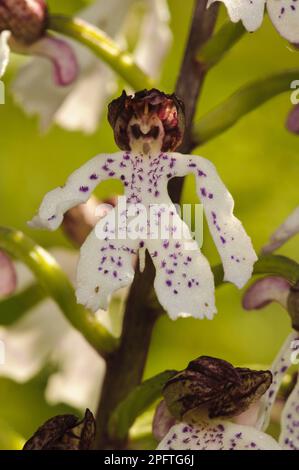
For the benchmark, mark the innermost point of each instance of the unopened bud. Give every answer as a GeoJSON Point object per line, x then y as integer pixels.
{"type": "Point", "coordinates": [212, 388]}
{"type": "Point", "coordinates": [26, 19]}
{"type": "Point", "coordinates": [64, 432]}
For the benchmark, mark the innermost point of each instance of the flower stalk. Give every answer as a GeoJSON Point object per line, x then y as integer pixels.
{"type": "Point", "coordinates": [104, 47]}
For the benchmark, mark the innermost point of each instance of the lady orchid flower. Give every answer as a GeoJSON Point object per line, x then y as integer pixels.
{"type": "Point", "coordinates": [74, 107]}
{"type": "Point", "coordinates": [202, 399]}
{"type": "Point", "coordinates": [284, 15]}
{"type": "Point", "coordinates": [23, 26]}
{"type": "Point", "coordinates": [148, 127]}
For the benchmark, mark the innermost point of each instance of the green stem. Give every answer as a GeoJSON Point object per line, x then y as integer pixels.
{"type": "Point", "coordinates": [137, 402]}
{"type": "Point", "coordinates": [268, 264]}
{"type": "Point", "coordinates": [242, 102]}
{"type": "Point", "coordinates": [220, 44]}
{"type": "Point", "coordinates": [56, 285]}
{"type": "Point", "coordinates": [104, 47]}
{"type": "Point", "coordinates": [15, 306]}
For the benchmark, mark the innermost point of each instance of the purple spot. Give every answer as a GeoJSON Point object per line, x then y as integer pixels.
{"type": "Point", "coordinates": [223, 240]}
{"type": "Point", "coordinates": [93, 177]}
{"type": "Point", "coordinates": [168, 282]}
{"type": "Point", "coordinates": [84, 189]}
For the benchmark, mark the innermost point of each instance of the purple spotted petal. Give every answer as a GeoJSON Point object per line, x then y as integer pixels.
{"type": "Point", "coordinates": [280, 366]}
{"type": "Point", "coordinates": [232, 242]}
{"type": "Point", "coordinates": [250, 12]}
{"type": "Point", "coordinates": [267, 290]}
{"type": "Point", "coordinates": [216, 435]}
{"type": "Point", "coordinates": [285, 231]}
{"type": "Point", "coordinates": [289, 437]}
{"type": "Point", "coordinates": [59, 52]}
{"type": "Point", "coordinates": [292, 123]}
{"type": "Point", "coordinates": [163, 421]}
{"type": "Point", "coordinates": [284, 14]}
{"type": "Point", "coordinates": [8, 278]}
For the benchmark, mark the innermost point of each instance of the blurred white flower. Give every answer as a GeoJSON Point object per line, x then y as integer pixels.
{"type": "Point", "coordinates": [43, 336]}
{"type": "Point", "coordinates": [288, 229]}
{"type": "Point", "coordinates": [80, 105]}
{"type": "Point", "coordinates": [284, 15]}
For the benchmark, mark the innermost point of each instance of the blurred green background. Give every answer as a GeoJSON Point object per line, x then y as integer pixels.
{"type": "Point", "coordinates": [257, 159]}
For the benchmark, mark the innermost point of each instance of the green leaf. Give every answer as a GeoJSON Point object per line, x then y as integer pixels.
{"type": "Point", "coordinates": [17, 305]}
{"type": "Point", "coordinates": [9, 438]}
{"type": "Point", "coordinates": [104, 47]}
{"type": "Point", "coordinates": [242, 102]}
{"type": "Point", "coordinates": [221, 43]}
{"type": "Point", "coordinates": [268, 264]}
{"type": "Point", "coordinates": [136, 403]}
{"type": "Point", "coordinates": [57, 286]}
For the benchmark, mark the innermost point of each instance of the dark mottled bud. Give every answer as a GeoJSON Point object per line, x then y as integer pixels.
{"type": "Point", "coordinates": [168, 108]}
{"type": "Point", "coordinates": [26, 19]}
{"type": "Point", "coordinates": [214, 388]}
{"type": "Point", "coordinates": [64, 432]}
{"type": "Point", "coordinates": [293, 306]}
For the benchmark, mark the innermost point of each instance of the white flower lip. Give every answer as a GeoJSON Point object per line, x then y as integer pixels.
{"type": "Point", "coordinates": [216, 435]}
{"type": "Point", "coordinates": [106, 262]}
{"type": "Point", "coordinates": [284, 15]}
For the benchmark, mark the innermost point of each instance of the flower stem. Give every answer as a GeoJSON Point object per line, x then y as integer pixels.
{"type": "Point", "coordinates": [268, 264]}
{"type": "Point", "coordinates": [104, 47]}
{"type": "Point", "coordinates": [57, 286]}
{"type": "Point", "coordinates": [220, 43]}
{"type": "Point", "coordinates": [15, 306]}
{"type": "Point", "coordinates": [240, 103]}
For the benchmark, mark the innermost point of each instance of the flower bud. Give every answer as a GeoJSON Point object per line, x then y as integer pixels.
{"type": "Point", "coordinates": [292, 123]}
{"type": "Point", "coordinates": [26, 19]}
{"type": "Point", "coordinates": [64, 432]}
{"type": "Point", "coordinates": [167, 108]}
{"type": "Point", "coordinates": [212, 388]}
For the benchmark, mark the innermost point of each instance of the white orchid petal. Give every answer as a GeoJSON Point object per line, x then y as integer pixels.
{"type": "Point", "coordinates": [232, 242]}
{"type": "Point", "coordinates": [284, 14]}
{"type": "Point", "coordinates": [4, 51]}
{"type": "Point", "coordinates": [155, 38]}
{"type": "Point", "coordinates": [250, 12]}
{"type": "Point", "coordinates": [281, 364]}
{"type": "Point", "coordinates": [289, 437]}
{"type": "Point", "coordinates": [8, 277]}
{"type": "Point", "coordinates": [98, 277]}
{"type": "Point", "coordinates": [284, 232]}
{"type": "Point", "coordinates": [216, 435]}
{"type": "Point", "coordinates": [184, 281]}
{"type": "Point", "coordinates": [82, 110]}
